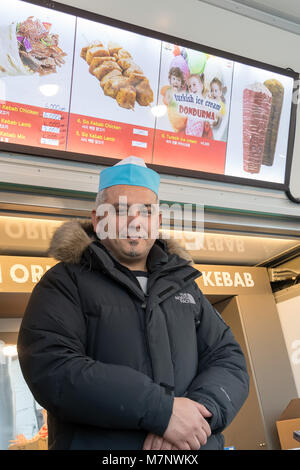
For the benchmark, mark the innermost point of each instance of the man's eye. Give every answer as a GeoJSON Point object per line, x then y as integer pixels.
{"type": "Point", "coordinates": [145, 212]}
{"type": "Point", "coordinates": [121, 211]}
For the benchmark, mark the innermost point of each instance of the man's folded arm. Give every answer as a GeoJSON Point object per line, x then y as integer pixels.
{"type": "Point", "coordinates": [222, 381]}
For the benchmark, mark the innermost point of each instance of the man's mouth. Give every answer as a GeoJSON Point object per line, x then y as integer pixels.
{"type": "Point", "coordinates": [135, 237]}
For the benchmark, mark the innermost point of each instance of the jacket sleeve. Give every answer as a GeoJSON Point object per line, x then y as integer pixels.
{"type": "Point", "coordinates": [66, 381]}
{"type": "Point", "coordinates": [222, 381]}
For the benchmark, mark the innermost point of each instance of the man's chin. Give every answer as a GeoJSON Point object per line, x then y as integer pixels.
{"type": "Point", "coordinates": [134, 247]}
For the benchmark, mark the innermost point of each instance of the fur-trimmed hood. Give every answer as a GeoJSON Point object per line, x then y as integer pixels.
{"type": "Point", "coordinates": [73, 237]}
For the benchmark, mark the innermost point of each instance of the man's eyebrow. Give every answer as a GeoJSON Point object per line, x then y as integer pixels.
{"type": "Point", "coordinates": [117, 204]}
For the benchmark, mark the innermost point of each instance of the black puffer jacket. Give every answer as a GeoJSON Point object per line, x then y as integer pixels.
{"type": "Point", "coordinates": [106, 361]}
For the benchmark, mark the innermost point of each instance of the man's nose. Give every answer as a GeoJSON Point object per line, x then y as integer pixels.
{"type": "Point", "coordinates": [134, 220]}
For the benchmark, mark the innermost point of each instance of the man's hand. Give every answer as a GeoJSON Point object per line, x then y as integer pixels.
{"type": "Point", "coordinates": [154, 442]}
{"type": "Point", "coordinates": [180, 424]}
{"type": "Point", "coordinates": [188, 428]}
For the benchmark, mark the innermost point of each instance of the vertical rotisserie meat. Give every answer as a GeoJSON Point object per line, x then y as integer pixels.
{"type": "Point", "coordinates": [277, 90]}
{"type": "Point", "coordinates": [257, 100]}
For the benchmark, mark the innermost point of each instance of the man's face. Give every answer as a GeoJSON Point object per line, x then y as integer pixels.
{"type": "Point", "coordinates": [130, 221]}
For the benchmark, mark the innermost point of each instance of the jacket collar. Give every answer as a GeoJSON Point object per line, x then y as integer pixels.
{"type": "Point", "coordinates": [72, 238]}
{"type": "Point", "coordinates": [76, 242]}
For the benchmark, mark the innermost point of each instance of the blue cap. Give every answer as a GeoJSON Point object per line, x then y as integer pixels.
{"type": "Point", "coordinates": [131, 171]}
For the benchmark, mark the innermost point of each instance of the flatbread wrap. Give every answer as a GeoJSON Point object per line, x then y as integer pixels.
{"type": "Point", "coordinates": [10, 60]}
{"type": "Point", "coordinates": [29, 47]}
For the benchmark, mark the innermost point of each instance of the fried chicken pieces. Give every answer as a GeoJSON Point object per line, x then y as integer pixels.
{"type": "Point", "coordinates": [120, 77]}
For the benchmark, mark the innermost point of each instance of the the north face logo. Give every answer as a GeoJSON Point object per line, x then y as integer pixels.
{"type": "Point", "coordinates": [185, 298]}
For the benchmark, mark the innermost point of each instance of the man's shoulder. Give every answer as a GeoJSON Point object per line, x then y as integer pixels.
{"type": "Point", "coordinates": [61, 270]}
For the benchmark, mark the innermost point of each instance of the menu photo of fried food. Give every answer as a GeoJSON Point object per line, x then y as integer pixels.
{"type": "Point", "coordinates": [29, 47]}
{"type": "Point", "coordinates": [119, 76]}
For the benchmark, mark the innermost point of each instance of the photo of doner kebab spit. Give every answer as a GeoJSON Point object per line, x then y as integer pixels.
{"type": "Point", "coordinates": [277, 90]}
{"type": "Point", "coordinates": [119, 76]}
{"type": "Point", "coordinates": [257, 100]}
{"type": "Point", "coordinates": [262, 106]}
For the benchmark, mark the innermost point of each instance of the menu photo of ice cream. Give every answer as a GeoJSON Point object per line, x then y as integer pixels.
{"type": "Point", "coordinates": [194, 90]}
{"type": "Point", "coordinates": [36, 55]}
{"type": "Point", "coordinates": [258, 134]}
{"type": "Point", "coordinates": [115, 83]}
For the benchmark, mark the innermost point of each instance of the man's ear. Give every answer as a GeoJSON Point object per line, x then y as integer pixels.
{"type": "Point", "coordinates": [94, 219]}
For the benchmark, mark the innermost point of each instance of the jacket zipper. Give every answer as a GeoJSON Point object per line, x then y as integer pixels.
{"type": "Point", "coordinates": [144, 306]}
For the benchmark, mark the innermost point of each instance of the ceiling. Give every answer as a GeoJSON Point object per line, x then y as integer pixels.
{"type": "Point", "coordinates": [289, 9]}
{"type": "Point", "coordinates": [282, 14]}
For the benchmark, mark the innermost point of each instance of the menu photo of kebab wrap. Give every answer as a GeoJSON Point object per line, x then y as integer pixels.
{"type": "Point", "coordinates": [29, 47]}
{"type": "Point", "coordinates": [119, 76]}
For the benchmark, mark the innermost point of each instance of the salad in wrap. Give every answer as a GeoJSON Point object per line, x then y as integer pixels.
{"type": "Point", "coordinates": [29, 47]}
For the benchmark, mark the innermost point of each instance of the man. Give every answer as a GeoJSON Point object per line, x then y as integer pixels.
{"type": "Point", "coordinates": [118, 343]}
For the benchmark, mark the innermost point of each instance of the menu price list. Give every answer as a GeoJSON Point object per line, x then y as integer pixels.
{"type": "Point", "coordinates": [42, 59]}
{"type": "Point", "coordinates": [183, 151]}
{"type": "Point", "coordinates": [33, 126]}
{"type": "Point", "coordinates": [106, 138]}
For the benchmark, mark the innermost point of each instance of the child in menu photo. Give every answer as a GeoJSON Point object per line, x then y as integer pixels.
{"type": "Point", "coordinates": [195, 85]}
{"type": "Point", "coordinates": [176, 85]}
{"type": "Point", "coordinates": [217, 91]}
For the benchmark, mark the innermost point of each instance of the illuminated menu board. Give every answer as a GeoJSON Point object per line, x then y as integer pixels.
{"type": "Point", "coordinates": [82, 89]}
{"type": "Point", "coordinates": [115, 86]}
{"type": "Point", "coordinates": [36, 56]}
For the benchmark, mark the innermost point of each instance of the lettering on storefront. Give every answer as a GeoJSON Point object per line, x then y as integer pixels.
{"type": "Point", "coordinates": [210, 243]}
{"type": "Point", "coordinates": [227, 279]}
{"type": "Point", "coordinates": [20, 274]}
{"type": "Point", "coordinates": [26, 236]}
{"type": "Point", "coordinates": [219, 244]}
{"type": "Point", "coordinates": [16, 228]}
